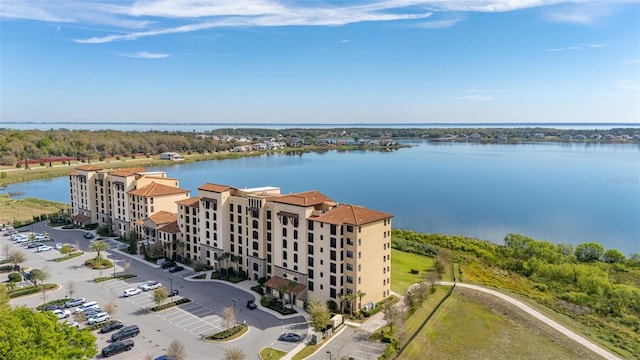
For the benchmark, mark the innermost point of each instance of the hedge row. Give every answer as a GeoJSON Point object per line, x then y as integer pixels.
{"type": "Point", "coordinates": [226, 333]}
{"type": "Point", "coordinates": [97, 326]}
{"type": "Point", "coordinates": [29, 290]}
{"type": "Point", "coordinates": [119, 277]}
{"type": "Point", "coordinates": [171, 304]}
{"type": "Point", "coordinates": [58, 302]}
{"type": "Point", "coordinates": [69, 256]}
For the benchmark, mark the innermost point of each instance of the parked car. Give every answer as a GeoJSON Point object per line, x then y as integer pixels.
{"type": "Point", "coordinates": [165, 357]}
{"type": "Point", "coordinates": [251, 304]}
{"type": "Point", "coordinates": [74, 302]}
{"type": "Point", "coordinates": [43, 248]}
{"type": "Point", "coordinates": [117, 347]}
{"type": "Point", "coordinates": [125, 333]}
{"type": "Point", "coordinates": [74, 324]}
{"type": "Point", "coordinates": [174, 292]}
{"type": "Point", "coordinates": [131, 292]}
{"type": "Point", "coordinates": [168, 264]}
{"type": "Point", "coordinates": [88, 235]}
{"type": "Point", "coordinates": [51, 308]}
{"type": "Point", "coordinates": [87, 305]}
{"type": "Point", "coordinates": [34, 245]}
{"type": "Point", "coordinates": [91, 312]}
{"type": "Point", "coordinates": [58, 246]}
{"type": "Point", "coordinates": [176, 269]}
{"type": "Point", "coordinates": [61, 314]}
{"type": "Point", "coordinates": [98, 318]}
{"type": "Point", "coordinates": [111, 326]}
{"type": "Point", "coordinates": [149, 285]}
{"type": "Point", "coordinates": [289, 337]}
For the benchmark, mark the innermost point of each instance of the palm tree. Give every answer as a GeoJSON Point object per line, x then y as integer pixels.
{"type": "Point", "coordinates": [98, 246]}
{"type": "Point", "coordinates": [360, 294]}
{"type": "Point", "coordinates": [349, 297]}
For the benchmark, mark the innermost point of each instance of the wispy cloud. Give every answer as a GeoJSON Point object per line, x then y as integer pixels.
{"type": "Point", "coordinates": [634, 61]}
{"type": "Point", "coordinates": [576, 47]}
{"type": "Point", "coordinates": [136, 19]}
{"type": "Point", "coordinates": [344, 41]}
{"type": "Point", "coordinates": [145, 55]}
{"type": "Point", "coordinates": [627, 85]}
{"type": "Point", "coordinates": [476, 97]}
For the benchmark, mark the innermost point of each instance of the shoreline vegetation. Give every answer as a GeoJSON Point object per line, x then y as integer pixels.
{"type": "Point", "coordinates": [27, 155]}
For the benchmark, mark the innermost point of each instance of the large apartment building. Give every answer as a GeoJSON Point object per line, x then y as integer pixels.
{"type": "Point", "coordinates": [122, 197]}
{"type": "Point", "coordinates": [307, 245]}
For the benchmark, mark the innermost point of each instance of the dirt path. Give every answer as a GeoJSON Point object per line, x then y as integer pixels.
{"type": "Point", "coordinates": [538, 315]}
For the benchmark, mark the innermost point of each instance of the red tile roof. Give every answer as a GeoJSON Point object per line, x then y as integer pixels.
{"type": "Point", "coordinates": [163, 217]}
{"type": "Point", "coordinates": [88, 168]}
{"type": "Point", "coordinates": [307, 198]}
{"type": "Point", "coordinates": [278, 283]}
{"type": "Point", "coordinates": [155, 189]}
{"type": "Point", "coordinates": [214, 187]}
{"type": "Point", "coordinates": [352, 215]}
{"type": "Point", "coordinates": [190, 202]}
{"type": "Point", "coordinates": [170, 228]}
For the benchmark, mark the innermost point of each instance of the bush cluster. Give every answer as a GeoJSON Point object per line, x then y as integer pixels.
{"type": "Point", "coordinates": [171, 304]}
{"type": "Point", "coordinates": [226, 333]}
{"type": "Point", "coordinates": [69, 256]}
{"type": "Point", "coordinates": [57, 302]}
{"type": "Point", "coordinates": [119, 277]}
{"type": "Point", "coordinates": [29, 290]}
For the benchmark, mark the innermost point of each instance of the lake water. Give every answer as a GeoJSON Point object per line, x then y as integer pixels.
{"type": "Point", "coordinates": [565, 193]}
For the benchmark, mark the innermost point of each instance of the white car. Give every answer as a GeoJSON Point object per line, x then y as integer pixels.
{"type": "Point", "coordinates": [131, 292]}
{"type": "Point", "coordinates": [43, 248]}
{"type": "Point", "coordinates": [62, 314]}
{"type": "Point", "coordinates": [58, 246]}
{"type": "Point", "coordinates": [98, 318]}
{"type": "Point", "coordinates": [149, 285]}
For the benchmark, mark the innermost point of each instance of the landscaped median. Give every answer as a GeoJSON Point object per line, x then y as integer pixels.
{"type": "Point", "coordinates": [229, 334]}
{"type": "Point", "coordinates": [119, 277]}
{"type": "Point", "coordinates": [168, 305]}
{"type": "Point", "coordinates": [30, 290]}
{"type": "Point", "coordinates": [69, 256]}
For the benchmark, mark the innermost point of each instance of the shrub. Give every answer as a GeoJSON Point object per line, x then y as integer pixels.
{"type": "Point", "coordinates": [103, 264]}
{"type": "Point", "coordinates": [29, 290]}
{"type": "Point", "coordinates": [15, 277]}
{"type": "Point", "coordinates": [226, 333]}
{"type": "Point", "coordinates": [57, 302]}
{"type": "Point", "coordinates": [69, 256]}
{"type": "Point", "coordinates": [119, 277]}
{"type": "Point", "coordinates": [414, 271]}
{"type": "Point", "coordinates": [171, 304]}
{"type": "Point", "coordinates": [258, 288]}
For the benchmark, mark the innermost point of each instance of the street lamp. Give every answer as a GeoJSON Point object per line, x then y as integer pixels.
{"type": "Point", "coordinates": [329, 352]}
{"type": "Point", "coordinates": [114, 266]}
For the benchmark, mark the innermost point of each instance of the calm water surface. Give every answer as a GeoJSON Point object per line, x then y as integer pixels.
{"type": "Point", "coordinates": [565, 193]}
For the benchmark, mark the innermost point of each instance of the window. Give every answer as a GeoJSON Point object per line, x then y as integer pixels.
{"type": "Point", "coordinates": [310, 273]}
{"type": "Point", "coordinates": [332, 268]}
{"type": "Point", "coordinates": [255, 224]}
{"type": "Point", "coordinates": [239, 219]}
{"type": "Point", "coordinates": [231, 217]}
{"type": "Point", "coordinates": [284, 243]}
{"type": "Point", "coordinates": [268, 214]}
{"type": "Point", "coordinates": [295, 246]}
{"type": "Point", "coordinates": [284, 256]}
{"type": "Point", "coordinates": [333, 242]}
{"type": "Point", "coordinates": [310, 225]}
{"type": "Point", "coordinates": [269, 247]}
{"type": "Point", "coordinates": [232, 248]}
{"type": "Point", "coordinates": [349, 280]}
{"type": "Point", "coordinates": [232, 237]}
{"type": "Point", "coordinates": [310, 237]}
{"type": "Point", "coordinates": [268, 225]}
{"type": "Point", "coordinates": [255, 235]}
{"type": "Point", "coordinates": [350, 254]}
{"type": "Point", "coordinates": [295, 258]}
{"type": "Point", "coordinates": [350, 266]}
{"type": "Point", "coordinates": [230, 207]}
{"type": "Point", "coordinates": [255, 245]}
{"type": "Point", "coordinates": [349, 241]}
{"type": "Point", "coordinates": [334, 230]}
{"type": "Point", "coordinates": [309, 261]}
{"type": "Point", "coordinates": [231, 227]}
{"type": "Point", "coordinates": [295, 234]}
{"type": "Point", "coordinates": [239, 207]}
{"type": "Point", "coordinates": [284, 231]}
{"type": "Point", "coordinates": [332, 280]}
{"type": "Point", "coordinates": [333, 255]}
{"type": "Point", "coordinates": [350, 228]}
{"type": "Point", "coordinates": [310, 285]}
{"type": "Point", "coordinates": [285, 221]}
{"type": "Point", "coordinates": [310, 249]}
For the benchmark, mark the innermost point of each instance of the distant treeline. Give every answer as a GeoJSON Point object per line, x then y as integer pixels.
{"type": "Point", "coordinates": [16, 145]}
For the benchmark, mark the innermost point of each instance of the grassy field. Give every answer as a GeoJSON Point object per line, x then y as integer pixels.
{"type": "Point", "coordinates": [401, 265]}
{"type": "Point", "coordinates": [474, 325]}
{"type": "Point", "coordinates": [25, 209]}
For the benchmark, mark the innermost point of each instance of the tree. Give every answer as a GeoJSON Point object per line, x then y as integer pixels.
{"type": "Point", "coordinates": [16, 257]}
{"type": "Point", "coordinates": [177, 350]}
{"type": "Point", "coordinates": [234, 354]}
{"type": "Point", "coordinates": [349, 297]}
{"type": "Point", "coordinates": [6, 249]}
{"type": "Point", "coordinates": [360, 294]}
{"type": "Point", "coordinates": [613, 256]}
{"type": "Point", "coordinates": [22, 337]}
{"type": "Point", "coordinates": [66, 249]}
{"type": "Point", "coordinates": [589, 251]}
{"type": "Point", "coordinates": [392, 314]}
{"type": "Point", "coordinates": [229, 316]}
{"type": "Point", "coordinates": [110, 308]}
{"type": "Point", "coordinates": [126, 266]}
{"type": "Point", "coordinates": [319, 314]}
{"type": "Point", "coordinates": [38, 275]}
{"type": "Point", "coordinates": [98, 246]}
{"type": "Point", "coordinates": [160, 295]}
{"type": "Point", "coordinates": [133, 242]}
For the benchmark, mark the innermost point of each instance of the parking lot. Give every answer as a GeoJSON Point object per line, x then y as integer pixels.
{"type": "Point", "coordinates": [189, 322]}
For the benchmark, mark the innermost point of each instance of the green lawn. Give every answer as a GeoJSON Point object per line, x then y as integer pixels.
{"type": "Point", "coordinates": [401, 265]}
{"type": "Point", "coordinates": [472, 326]}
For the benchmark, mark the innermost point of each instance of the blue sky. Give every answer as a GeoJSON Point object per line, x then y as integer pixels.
{"type": "Point", "coordinates": [264, 61]}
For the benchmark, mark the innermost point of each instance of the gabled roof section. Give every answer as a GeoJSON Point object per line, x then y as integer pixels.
{"type": "Point", "coordinates": [214, 187]}
{"type": "Point", "coordinates": [88, 168]}
{"type": "Point", "coordinates": [155, 189]}
{"type": "Point", "coordinates": [163, 217]}
{"type": "Point", "coordinates": [170, 228]}
{"type": "Point", "coordinates": [308, 198]}
{"type": "Point", "coordinates": [126, 172]}
{"type": "Point", "coordinates": [286, 285]}
{"type": "Point", "coordinates": [190, 202]}
{"type": "Point", "coordinates": [352, 215]}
